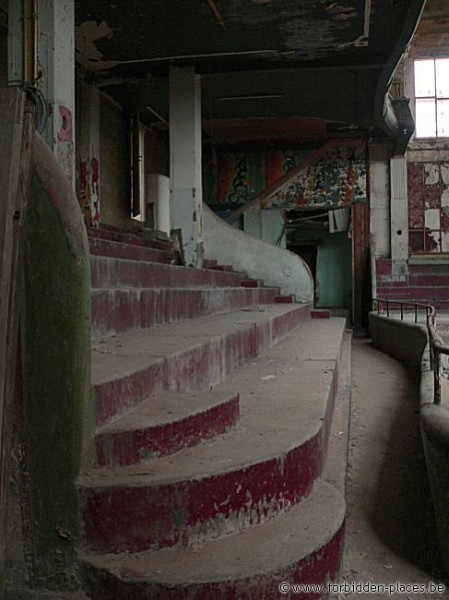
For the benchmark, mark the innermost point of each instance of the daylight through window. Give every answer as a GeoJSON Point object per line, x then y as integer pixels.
{"type": "Point", "coordinates": [432, 98]}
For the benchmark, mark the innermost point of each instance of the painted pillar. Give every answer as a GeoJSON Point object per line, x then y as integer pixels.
{"type": "Point", "coordinates": [379, 186]}
{"type": "Point", "coordinates": [89, 151]}
{"type": "Point", "coordinates": [399, 215]}
{"type": "Point", "coordinates": [58, 411]}
{"type": "Point", "coordinates": [185, 162]}
{"type": "Point", "coordinates": [56, 54]}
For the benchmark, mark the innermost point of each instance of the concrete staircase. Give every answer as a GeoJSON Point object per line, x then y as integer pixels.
{"type": "Point", "coordinates": [426, 283]}
{"type": "Point", "coordinates": [214, 406]}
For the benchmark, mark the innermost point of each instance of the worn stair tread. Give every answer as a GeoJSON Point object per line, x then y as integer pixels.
{"type": "Point", "coordinates": [269, 426]}
{"type": "Point", "coordinates": [266, 548]}
{"type": "Point", "coordinates": [113, 271]}
{"type": "Point", "coordinates": [119, 355]}
{"type": "Point", "coordinates": [165, 408]}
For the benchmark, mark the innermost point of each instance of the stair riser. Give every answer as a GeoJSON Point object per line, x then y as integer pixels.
{"type": "Point", "coordinates": [114, 311]}
{"type": "Point", "coordinates": [118, 235]}
{"type": "Point", "coordinates": [140, 518]}
{"type": "Point", "coordinates": [102, 247]}
{"type": "Point", "coordinates": [129, 447]}
{"type": "Point", "coordinates": [196, 369]}
{"type": "Point", "coordinates": [133, 519]}
{"type": "Point", "coordinates": [321, 566]}
{"type": "Point", "coordinates": [114, 272]}
{"type": "Point", "coordinates": [414, 294]}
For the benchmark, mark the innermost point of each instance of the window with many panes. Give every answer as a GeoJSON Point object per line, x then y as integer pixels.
{"type": "Point", "coordinates": [432, 98]}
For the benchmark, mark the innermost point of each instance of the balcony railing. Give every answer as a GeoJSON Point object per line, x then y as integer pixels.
{"type": "Point", "coordinates": [437, 347]}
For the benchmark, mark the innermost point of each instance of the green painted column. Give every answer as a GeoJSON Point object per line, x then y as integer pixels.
{"type": "Point", "coordinates": [58, 411]}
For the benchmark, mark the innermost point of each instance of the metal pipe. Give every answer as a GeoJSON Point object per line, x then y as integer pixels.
{"type": "Point", "coordinates": [30, 40]}
{"type": "Point", "coordinates": [436, 378]}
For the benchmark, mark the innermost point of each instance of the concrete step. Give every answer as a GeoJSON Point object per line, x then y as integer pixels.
{"type": "Point", "coordinates": [289, 299]}
{"type": "Point", "coordinates": [165, 424]}
{"type": "Point", "coordinates": [108, 232]}
{"type": "Point", "coordinates": [188, 355]}
{"type": "Point", "coordinates": [116, 310]}
{"type": "Point", "coordinates": [303, 545]}
{"type": "Point", "coordinates": [418, 294]}
{"type": "Point", "coordinates": [118, 249]}
{"type": "Point", "coordinates": [254, 472]}
{"type": "Point", "coordinates": [108, 272]}
{"type": "Point", "coordinates": [251, 283]}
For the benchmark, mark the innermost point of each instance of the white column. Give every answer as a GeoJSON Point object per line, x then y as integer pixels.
{"type": "Point", "coordinates": [399, 215]}
{"type": "Point", "coordinates": [158, 196]}
{"type": "Point", "coordinates": [89, 152]}
{"type": "Point", "coordinates": [56, 54]}
{"type": "Point", "coordinates": [185, 161]}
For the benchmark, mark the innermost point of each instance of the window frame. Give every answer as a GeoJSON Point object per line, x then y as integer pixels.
{"type": "Point", "coordinates": [436, 137]}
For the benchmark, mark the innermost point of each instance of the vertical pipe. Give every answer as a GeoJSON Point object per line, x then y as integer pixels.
{"type": "Point", "coordinates": [436, 377]}
{"type": "Point", "coordinates": [30, 40]}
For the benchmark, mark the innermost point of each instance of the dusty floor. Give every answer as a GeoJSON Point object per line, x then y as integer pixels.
{"type": "Point", "coordinates": [390, 527]}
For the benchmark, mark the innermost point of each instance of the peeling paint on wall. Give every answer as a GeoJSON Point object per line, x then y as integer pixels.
{"type": "Point", "coordinates": [337, 179]}
{"type": "Point", "coordinates": [65, 133]}
{"type": "Point", "coordinates": [87, 53]}
{"type": "Point", "coordinates": [90, 190]}
{"type": "Point", "coordinates": [428, 206]}
{"type": "Point", "coordinates": [240, 175]}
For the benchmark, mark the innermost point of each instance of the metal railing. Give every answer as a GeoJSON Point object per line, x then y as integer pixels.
{"type": "Point", "coordinates": [436, 345]}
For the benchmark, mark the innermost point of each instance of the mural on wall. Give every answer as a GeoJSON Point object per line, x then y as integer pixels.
{"type": "Point", "coordinates": [335, 180]}
{"type": "Point", "coordinates": [428, 206]}
{"type": "Point", "coordinates": [238, 176]}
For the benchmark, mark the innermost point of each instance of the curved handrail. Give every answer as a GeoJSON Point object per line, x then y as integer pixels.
{"type": "Point", "coordinates": [437, 347]}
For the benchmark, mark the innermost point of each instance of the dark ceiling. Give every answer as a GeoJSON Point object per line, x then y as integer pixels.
{"type": "Point", "coordinates": [270, 60]}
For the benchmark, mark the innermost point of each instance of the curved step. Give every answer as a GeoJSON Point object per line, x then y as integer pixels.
{"type": "Point", "coordinates": [302, 546]}
{"type": "Point", "coordinates": [134, 251]}
{"type": "Point", "coordinates": [165, 424]}
{"type": "Point", "coordinates": [109, 272]}
{"type": "Point", "coordinates": [115, 310]}
{"type": "Point", "coordinates": [188, 355]}
{"type": "Point", "coordinates": [258, 470]}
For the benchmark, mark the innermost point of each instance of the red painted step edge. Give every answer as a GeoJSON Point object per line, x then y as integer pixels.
{"type": "Point", "coordinates": [128, 447]}
{"type": "Point", "coordinates": [208, 365]}
{"type": "Point", "coordinates": [134, 518]}
{"type": "Point", "coordinates": [318, 568]}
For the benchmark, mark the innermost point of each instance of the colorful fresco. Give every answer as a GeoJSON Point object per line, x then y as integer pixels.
{"type": "Point", "coordinates": [238, 176]}
{"type": "Point", "coordinates": [336, 179]}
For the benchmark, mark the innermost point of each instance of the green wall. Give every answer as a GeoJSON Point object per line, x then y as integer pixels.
{"type": "Point", "coordinates": [333, 265]}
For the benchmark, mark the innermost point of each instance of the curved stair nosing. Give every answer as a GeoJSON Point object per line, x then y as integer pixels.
{"type": "Point", "coordinates": [156, 514]}
{"type": "Point", "coordinates": [304, 545]}
{"type": "Point", "coordinates": [121, 445]}
{"type": "Point", "coordinates": [117, 310]}
{"type": "Point", "coordinates": [210, 360]}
